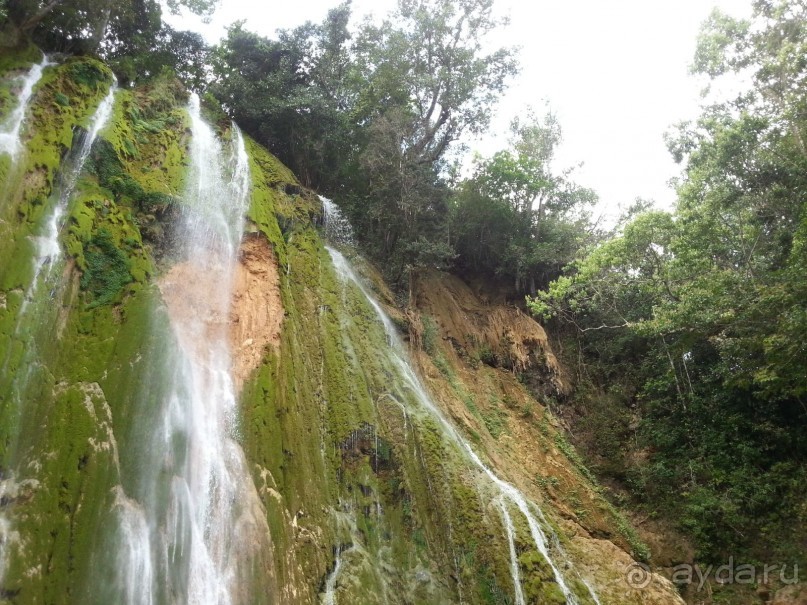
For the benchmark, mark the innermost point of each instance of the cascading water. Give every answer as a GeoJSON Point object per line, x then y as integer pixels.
{"type": "Point", "coordinates": [48, 253]}
{"type": "Point", "coordinates": [11, 128]}
{"type": "Point", "coordinates": [511, 544]}
{"type": "Point", "coordinates": [506, 493]}
{"type": "Point", "coordinates": [336, 227]}
{"type": "Point", "coordinates": [193, 530]}
{"type": "Point", "coordinates": [346, 523]}
{"type": "Point", "coordinates": [48, 250]}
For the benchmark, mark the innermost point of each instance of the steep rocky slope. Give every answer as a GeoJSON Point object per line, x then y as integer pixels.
{"type": "Point", "coordinates": [367, 494]}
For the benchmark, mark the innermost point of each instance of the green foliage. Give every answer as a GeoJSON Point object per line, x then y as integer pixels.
{"type": "Point", "coordinates": [88, 74]}
{"type": "Point", "coordinates": [430, 335]}
{"type": "Point", "coordinates": [571, 454]}
{"type": "Point", "coordinates": [416, 100]}
{"type": "Point", "coordinates": [112, 176]}
{"type": "Point", "coordinates": [486, 355]}
{"type": "Point", "coordinates": [106, 27]}
{"type": "Point", "coordinates": [184, 53]}
{"type": "Point", "coordinates": [516, 218]}
{"type": "Point", "coordinates": [371, 116]}
{"type": "Point", "coordinates": [288, 94]}
{"type": "Point", "coordinates": [700, 312]}
{"type": "Point", "coordinates": [107, 269]}
{"type": "Point", "coordinates": [495, 421]}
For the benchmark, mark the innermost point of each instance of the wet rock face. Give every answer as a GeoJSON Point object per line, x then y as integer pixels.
{"type": "Point", "coordinates": [256, 310]}
{"type": "Point", "coordinates": [343, 460]}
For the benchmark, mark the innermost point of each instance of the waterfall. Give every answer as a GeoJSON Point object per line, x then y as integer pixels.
{"type": "Point", "coordinates": [196, 520]}
{"type": "Point", "coordinates": [48, 251]}
{"type": "Point", "coordinates": [506, 492]}
{"type": "Point", "coordinates": [10, 129]}
{"type": "Point", "coordinates": [346, 524]}
{"type": "Point", "coordinates": [329, 597]}
{"type": "Point", "coordinates": [511, 543]}
{"type": "Point", "coordinates": [338, 229]}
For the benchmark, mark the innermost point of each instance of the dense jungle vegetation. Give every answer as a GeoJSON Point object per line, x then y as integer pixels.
{"type": "Point", "coordinates": [684, 330]}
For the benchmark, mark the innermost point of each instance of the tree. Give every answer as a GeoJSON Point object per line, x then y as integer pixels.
{"type": "Point", "coordinates": [428, 60]}
{"type": "Point", "coordinates": [185, 53]}
{"type": "Point", "coordinates": [292, 94]}
{"type": "Point", "coordinates": [773, 51]}
{"type": "Point", "coordinates": [710, 303]}
{"type": "Point", "coordinates": [423, 79]}
{"type": "Point", "coordinates": [83, 26]}
{"type": "Point", "coordinates": [370, 119]}
{"type": "Point", "coordinates": [534, 216]}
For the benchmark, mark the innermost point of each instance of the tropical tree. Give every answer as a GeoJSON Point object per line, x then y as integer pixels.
{"type": "Point", "coordinates": [518, 216]}
{"type": "Point", "coordinates": [424, 80]}
{"type": "Point", "coordinates": [709, 302]}
{"type": "Point", "coordinates": [85, 26]}
{"type": "Point", "coordinates": [292, 94]}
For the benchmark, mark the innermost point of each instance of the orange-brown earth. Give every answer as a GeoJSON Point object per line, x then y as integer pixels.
{"type": "Point", "coordinates": [207, 305]}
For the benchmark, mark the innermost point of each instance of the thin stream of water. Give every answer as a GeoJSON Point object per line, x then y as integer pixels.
{"type": "Point", "coordinates": [47, 257]}
{"type": "Point", "coordinates": [511, 543]}
{"type": "Point", "coordinates": [11, 128]}
{"type": "Point", "coordinates": [48, 250]}
{"type": "Point", "coordinates": [397, 355]}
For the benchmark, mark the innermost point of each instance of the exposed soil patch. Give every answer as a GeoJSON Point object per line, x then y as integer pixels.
{"type": "Point", "coordinates": [256, 311]}
{"type": "Point", "coordinates": [209, 305]}
{"type": "Point", "coordinates": [500, 335]}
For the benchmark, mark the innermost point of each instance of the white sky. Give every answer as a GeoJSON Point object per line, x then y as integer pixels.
{"type": "Point", "coordinates": [614, 72]}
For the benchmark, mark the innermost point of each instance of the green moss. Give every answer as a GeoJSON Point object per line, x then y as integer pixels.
{"type": "Point", "coordinates": [574, 458]}
{"type": "Point", "coordinates": [495, 421]}
{"type": "Point", "coordinates": [127, 190]}
{"type": "Point", "coordinates": [71, 406]}
{"type": "Point", "coordinates": [27, 194]}
{"type": "Point", "coordinates": [538, 580]}
{"type": "Point", "coordinates": [88, 73]}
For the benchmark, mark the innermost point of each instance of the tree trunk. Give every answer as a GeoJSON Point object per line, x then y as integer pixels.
{"type": "Point", "coordinates": [99, 31]}
{"type": "Point", "coordinates": [31, 22]}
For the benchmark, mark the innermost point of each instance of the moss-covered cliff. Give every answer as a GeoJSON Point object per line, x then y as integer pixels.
{"type": "Point", "coordinates": [367, 496]}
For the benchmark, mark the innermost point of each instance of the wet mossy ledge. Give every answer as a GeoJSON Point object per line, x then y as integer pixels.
{"type": "Point", "coordinates": [347, 464]}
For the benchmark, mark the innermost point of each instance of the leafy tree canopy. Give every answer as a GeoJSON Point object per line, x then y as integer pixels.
{"type": "Point", "coordinates": [713, 296]}
{"type": "Point", "coordinates": [92, 26]}
{"type": "Point", "coordinates": [518, 216]}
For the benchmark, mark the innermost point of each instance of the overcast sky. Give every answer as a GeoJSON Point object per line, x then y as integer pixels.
{"type": "Point", "coordinates": [614, 72]}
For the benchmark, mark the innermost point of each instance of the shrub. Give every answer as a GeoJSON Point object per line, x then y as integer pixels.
{"type": "Point", "coordinates": [107, 270]}
{"type": "Point", "coordinates": [429, 335]}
